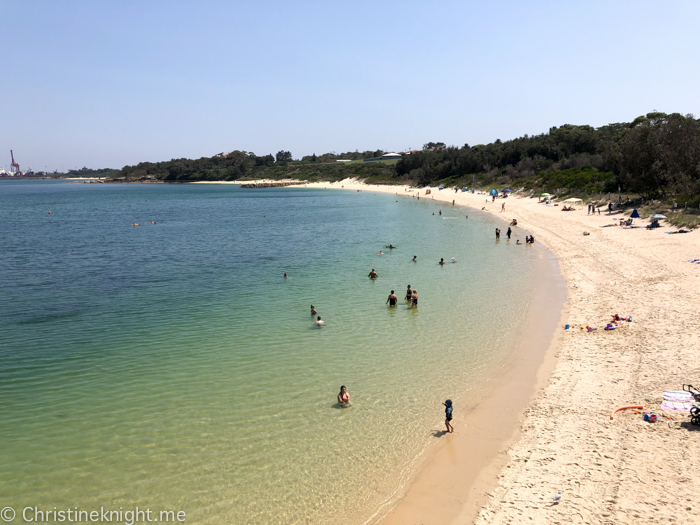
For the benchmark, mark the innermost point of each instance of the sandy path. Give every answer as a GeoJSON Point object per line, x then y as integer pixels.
{"type": "Point", "coordinates": [621, 471]}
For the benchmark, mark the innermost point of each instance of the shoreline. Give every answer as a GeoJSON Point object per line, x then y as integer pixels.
{"type": "Point", "coordinates": [452, 483]}
{"type": "Point", "coordinates": [621, 471]}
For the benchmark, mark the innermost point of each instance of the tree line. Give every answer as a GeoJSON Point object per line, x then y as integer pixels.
{"type": "Point", "coordinates": [656, 155]}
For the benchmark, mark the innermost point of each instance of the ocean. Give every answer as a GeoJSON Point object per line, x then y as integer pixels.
{"type": "Point", "coordinates": [171, 366]}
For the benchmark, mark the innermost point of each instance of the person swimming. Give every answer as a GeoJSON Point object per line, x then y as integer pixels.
{"type": "Point", "coordinates": [344, 397]}
{"type": "Point", "coordinates": [391, 246]}
{"type": "Point", "coordinates": [442, 261]}
{"type": "Point", "coordinates": [285, 275]}
{"type": "Point", "coordinates": [392, 299]}
{"type": "Point", "coordinates": [319, 321]}
{"type": "Point", "coordinates": [380, 253]}
{"type": "Point", "coordinates": [454, 260]}
{"type": "Point", "coordinates": [373, 274]}
{"type": "Point", "coordinates": [415, 259]}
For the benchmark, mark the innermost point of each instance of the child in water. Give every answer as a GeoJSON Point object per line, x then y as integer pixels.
{"type": "Point", "coordinates": [344, 397]}
{"type": "Point", "coordinates": [448, 416]}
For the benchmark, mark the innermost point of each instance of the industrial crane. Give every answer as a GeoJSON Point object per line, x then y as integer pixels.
{"type": "Point", "coordinates": [15, 166]}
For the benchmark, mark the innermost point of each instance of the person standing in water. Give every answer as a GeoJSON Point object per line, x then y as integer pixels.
{"type": "Point", "coordinates": [319, 322]}
{"type": "Point", "coordinates": [415, 259]}
{"type": "Point", "coordinates": [344, 397]}
{"type": "Point", "coordinates": [373, 274]}
{"type": "Point", "coordinates": [409, 293]}
{"type": "Point", "coordinates": [313, 310]}
{"type": "Point", "coordinates": [285, 275]}
{"type": "Point", "coordinates": [448, 416]}
{"type": "Point", "coordinates": [442, 262]}
{"type": "Point", "coordinates": [414, 299]}
{"type": "Point", "coordinates": [508, 233]}
{"type": "Point", "coordinates": [498, 234]}
{"type": "Point", "coordinates": [392, 299]}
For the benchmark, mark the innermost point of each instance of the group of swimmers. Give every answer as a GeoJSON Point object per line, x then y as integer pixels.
{"type": "Point", "coordinates": [411, 298]}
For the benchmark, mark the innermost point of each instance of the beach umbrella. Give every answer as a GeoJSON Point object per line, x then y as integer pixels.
{"type": "Point", "coordinates": [545, 195]}
{"type": "Point", "coordinates": [494, 192]}
{"type": "Point", "coordinates": [635, 214]}
{"type": "Point", "coordinates": [659, 216]}
{"type": "Point", "coordinates": [506, 191]}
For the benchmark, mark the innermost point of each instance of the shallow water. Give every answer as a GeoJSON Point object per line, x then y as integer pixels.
{"type": "Point", "coordinates": [171, 365]}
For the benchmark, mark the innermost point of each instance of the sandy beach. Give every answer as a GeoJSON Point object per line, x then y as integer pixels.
{"type": "Point", "coordinates": [624, 470]}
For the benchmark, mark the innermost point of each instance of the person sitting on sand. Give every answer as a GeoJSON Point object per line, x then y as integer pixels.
{"type": "Point", "coordinates": [514, 222]}
{"type": "Point", "coordinates": [313, 310]}
{"type": "Point", "coordinates": [392, 299]}
{"type": "Point", "coordinates": [373, 274]}
{"type": "Point", "coordinates": [319, 321]}
{"type": "Point", "coordinates": [518, 242]}
{"type": "Point", "coordinates": [343, 396]}
{"type": "Point", "coordinates": [448, 416]}
{"type": "Point", "coordinates": [442, 262]}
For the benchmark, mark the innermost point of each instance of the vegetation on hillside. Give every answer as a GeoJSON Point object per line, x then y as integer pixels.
{"type": "Point", "coordinates": [656, 156]}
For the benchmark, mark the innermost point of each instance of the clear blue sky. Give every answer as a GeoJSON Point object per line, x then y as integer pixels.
{"type": "Point", "coordinates": [104, 84]}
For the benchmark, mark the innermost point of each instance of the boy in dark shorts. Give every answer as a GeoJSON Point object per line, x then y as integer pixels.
{"type": "Point", "coordinates": [448, 415]}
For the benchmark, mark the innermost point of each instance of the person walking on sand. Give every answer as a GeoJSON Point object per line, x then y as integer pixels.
{"type": "Point", "coordinates": [503, 207]}
{"type": "Point", "coordinates": [508, 233]}
{"type": "Point", "coordinates": [498, 234]}
{"type": "Point", "coordinates": [409, 293]}
{"type": "Point", "coordinates": [344, 397]}
{"type": "Point", "coordinates": [373, 274]}
{"type": "Point", "coordinates": [392, 299]}
{"type": "Point", "coordinates": [448, 416]}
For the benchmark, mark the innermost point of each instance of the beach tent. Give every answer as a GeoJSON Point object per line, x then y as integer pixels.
{"type": "Point", "coordinates": [440, 188]}
{"type": "Point", "coordinates": [506, 191]}
{"type": "Point", "coordinates": [659, 216]}
{"type": "Point", "coordinates": [465, 189]}
{"type": "Point", "coordinates": [572, 200]}
{"type": "Point", "coordinates": [494, 192]}
{"type": "Point", "coordinates": [635, 214]}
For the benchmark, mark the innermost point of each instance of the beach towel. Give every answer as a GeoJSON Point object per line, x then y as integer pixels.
{"type": "Point", "coordinates": [675, 405]}
{"type": "Point", "coordinates": [678, 396]}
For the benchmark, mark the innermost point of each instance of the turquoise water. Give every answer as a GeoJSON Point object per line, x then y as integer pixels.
{"type": "Point", "coordinates": [171, 365]}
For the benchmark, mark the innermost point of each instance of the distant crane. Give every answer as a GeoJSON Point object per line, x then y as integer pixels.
{"type": "Point", "coordinates": [15, 167]}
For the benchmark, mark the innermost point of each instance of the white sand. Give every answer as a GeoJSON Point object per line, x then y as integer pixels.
{"type": "Point", "coordinates": [620, 471]}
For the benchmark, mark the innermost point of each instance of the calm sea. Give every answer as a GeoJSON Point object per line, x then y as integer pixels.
{"type": "Point", "coordinates": [171, 366]}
